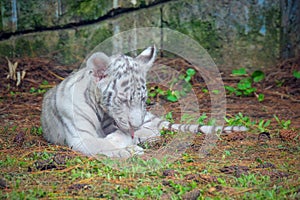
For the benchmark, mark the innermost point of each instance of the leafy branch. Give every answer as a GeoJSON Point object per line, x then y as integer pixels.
{"type": "Point", "coordinates": [245, 86]}
{"type": "Point", "coordinates": [174, 95]}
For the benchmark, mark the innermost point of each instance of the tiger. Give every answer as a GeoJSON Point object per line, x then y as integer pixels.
{"type": "Point", "coordinates": [101, 109]}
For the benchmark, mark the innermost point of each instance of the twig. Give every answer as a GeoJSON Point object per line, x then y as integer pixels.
{"type": "Point", "coordinates": [32, 81]}
{"type": "Point", "coordinates": [46, 86]}
{"type": "Point", "coordinates": [282, 95]}
{"type": "Point", "coordinates": [57, 76]}
{"type": "Point", "coordinates": [243, 191]}
{"type": "Point", "coordinates": [2, 109]}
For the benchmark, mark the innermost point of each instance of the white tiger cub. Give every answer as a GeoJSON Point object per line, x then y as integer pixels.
{"type": "Point", "coordinates": [101, 109]}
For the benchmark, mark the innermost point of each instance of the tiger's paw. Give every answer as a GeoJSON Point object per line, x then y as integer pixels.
{"type": "Point", "coordinates": [132, 150]}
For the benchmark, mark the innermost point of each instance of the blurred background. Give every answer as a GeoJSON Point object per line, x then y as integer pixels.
{"type": "Point", "coordinates": [254, 34]}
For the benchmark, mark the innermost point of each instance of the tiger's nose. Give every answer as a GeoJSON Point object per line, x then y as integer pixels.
{"type": "Point", "coordinates": [135, 124]}
{"type": "Point", "coordinates": [135, 120]}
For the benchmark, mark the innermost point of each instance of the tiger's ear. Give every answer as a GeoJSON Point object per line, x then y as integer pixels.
{"type": "Point", "coordinates": [97, 64]}
{"type": "Point", "coordinates": [147, 57]}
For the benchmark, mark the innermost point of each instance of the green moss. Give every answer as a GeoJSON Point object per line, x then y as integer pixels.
{"type": "Point", "coordinates": [99, 36]}
{"type": "Point", "coordinates": [6, 49]}
{"type": "Point", "coordinates": [263, 32]}
{"type": "Point", "coordinates": [5, 15]}
{"type": "Point", "coordinates": [73, 45]}
{"type": "Point", "coordinates": [39, 46]}
{"type": "Point", "coordinates": [63, 47]}
{"type": "Point", "coordinates": [1, 20]}
{"type": "Point", "coordinates": [273, 27]}
{"type": "Point", "coordinates": [89, 9]}
{"type": "Point", "coordinates": [204, 32]}
{"type": "Point", "coordinates": [22, 47]}
{"type": "Point", "coordinates": [27, 47]}
{"type": "Point", "coordinates": [33, 14]}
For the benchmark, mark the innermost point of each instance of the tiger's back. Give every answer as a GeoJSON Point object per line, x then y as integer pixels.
{"type": "Point", "coordinates": [60, 107]}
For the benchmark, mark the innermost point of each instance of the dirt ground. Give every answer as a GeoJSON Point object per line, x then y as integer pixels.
{"type": "Point", "coordinates": [274, 153]}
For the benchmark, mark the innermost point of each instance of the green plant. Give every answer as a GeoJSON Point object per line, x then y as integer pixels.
{"type": "Point", "coordinates": [42, 155]}
{"type": "Point", "coordinates": [174, 95]}
{"type": "Point", "coordinates": [238, 120]}
{"type": "Point", "coordinates": [9, 161]}
{"type": "Point", "coordinates": [261, 195]}
{"type": "Point", "coordinates": [215, 91]}
{"type": "Point", "coordinates": [205, 90]}
{"type": "Point", "coordinates": [285, 124]}
{"type": "Point", "coordinates": [251, 180]}
{"type": "Point", "coordinates": [279, 83]}
{"type": "Point", "coordinates": [34, 193]}
{"type": "Point", "coordinates": [44, 82]}
{"type": "Point", "coordinates": [12, 93]}
{"type": "Point", "coordinates": [154, 91]}
{"type": "Point", "coordinates": [38, 91]}
{"type": "Point", "coordinates": [146, 191]}
{"type": "Point", "coordinates": [182, 189]}
{"type": "Point", "coordinates": [241, 120]}
{"type": "Point", "coordinates": [14, 128]}
{"type": "Point", "coordinates": [201, 119]}
{"type": "Point", "coordinates": [245, 85]}
{"type": "Point", "coordinates": [296, 74]}
{"type": "Point", "coordinates": [186, 118]}
{"type": "Point", "coordinates": [260, 97]}
{"type": "Point", "coordinates": [167, 132]}
{"type": "Point", "coordinates": [80, 173]}
{"type": "Point", "coordinates": [211, 122]}
{"type": "Point", "coordinates": [222, 181]}
{"type": "Point", "coordinates": [189, 74]}
{"type": "Point", "coordinates": [36, 130]}
{"type": "Point", "coordinates": [169, 117]}
{"type": "Point", "coordinates": [258, 76]}
{"type": "Point", "coordinates": [239, 72]}
{"type": "Point", "coordinates": [263, 125]}
{"type": "Point", "coordinates": [226, 154]}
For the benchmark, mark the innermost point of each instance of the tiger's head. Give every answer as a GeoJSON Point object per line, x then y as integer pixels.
{"type": "Point", "coordinates": [121, 81]}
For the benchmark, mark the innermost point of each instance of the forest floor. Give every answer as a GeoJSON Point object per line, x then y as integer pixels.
{"type": "Point", "coordinates": [262, 163]}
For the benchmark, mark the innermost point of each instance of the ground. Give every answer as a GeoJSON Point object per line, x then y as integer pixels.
{"type": "Point", "coordinates": [262, 163]}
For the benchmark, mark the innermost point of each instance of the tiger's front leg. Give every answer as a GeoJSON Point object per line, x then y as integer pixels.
{"type": "Point", "coordinates": [126, 144]}
{"type": "Point", "coordinates": [116, 144]}
{"type": "Point", "coordinates": [149, 129]}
